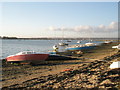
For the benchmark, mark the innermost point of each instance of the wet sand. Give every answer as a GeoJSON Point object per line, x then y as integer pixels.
{"type": "Point", "coordinates": [91, 70]}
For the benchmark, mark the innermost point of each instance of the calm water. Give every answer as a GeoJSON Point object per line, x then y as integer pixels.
{"type": "Point", "coordinates": [10, 47]}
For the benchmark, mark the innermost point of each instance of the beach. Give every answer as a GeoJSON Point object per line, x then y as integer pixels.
{"type": "Point", "coordinates": [88, 70]}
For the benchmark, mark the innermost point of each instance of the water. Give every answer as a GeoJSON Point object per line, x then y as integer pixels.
{"type": "Point", "coordinates": [10, 47]}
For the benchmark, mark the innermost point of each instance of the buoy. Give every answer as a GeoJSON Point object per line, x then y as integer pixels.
{"type": "Point", "coordinates": [115, 65]}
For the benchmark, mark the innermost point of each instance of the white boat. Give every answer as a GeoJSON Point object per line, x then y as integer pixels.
{"type": "Point", "coordinates": [78, 41]}
{"type": "Point", "coordinates": [107, 42]}
{"type": "Point", "coordinates": [90, 44]}
{"type": "Point", "coordinates": [118, 46]}
{"type": "Point", "coordinates": [62, 44]}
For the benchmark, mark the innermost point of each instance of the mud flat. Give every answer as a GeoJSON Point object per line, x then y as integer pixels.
{"type": "Point", "coordinates": [89, 71]}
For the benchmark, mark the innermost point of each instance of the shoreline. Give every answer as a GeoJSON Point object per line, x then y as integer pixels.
{"type": "Point", "coordinates": [101, 39]}
{"type": "Point", "coordinates": [93, 66]}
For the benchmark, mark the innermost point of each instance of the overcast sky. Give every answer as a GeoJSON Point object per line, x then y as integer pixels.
{"type": "Point", "coordinates": [52, 19]}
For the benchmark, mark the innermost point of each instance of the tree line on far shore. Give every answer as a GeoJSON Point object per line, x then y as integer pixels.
{"type": "Point", "coordinates": [59, 38]}
{"type": "Point", "coordinates": [6, 37]}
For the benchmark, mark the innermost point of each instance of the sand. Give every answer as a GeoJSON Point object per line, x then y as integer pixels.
{"type": "Point", "coordinates": [89, 70]}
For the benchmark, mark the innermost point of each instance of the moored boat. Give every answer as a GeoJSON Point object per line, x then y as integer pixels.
{"type": "Point", "coordinates": [79, 47]}
{"type": "Point", "coordinates": [90, 44]}
{"type": "Point", "coordinates": [63, 44]}
{"type": "Point", "coordinates": [78, 41]}
{"type": "Point", "coordinates": [107, 42]}
{"type": "Point", "coordinates": [28, 56]}
{"type": "Point", "coordinates": [68, 40]}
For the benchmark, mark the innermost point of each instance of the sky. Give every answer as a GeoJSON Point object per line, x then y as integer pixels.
{"type": "Point", "coordinates": [59, 19]}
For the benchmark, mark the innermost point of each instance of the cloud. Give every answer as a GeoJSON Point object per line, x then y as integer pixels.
{"type": "Point", "coordinates": [113, 26]}
{"type": "Point", "coordinates": [85, 28]}
{"type": "Point", "coordinates": [52, 28]}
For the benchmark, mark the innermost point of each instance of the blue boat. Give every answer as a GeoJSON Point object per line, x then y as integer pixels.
{"type": "Point", "coordinates": [80, 47]}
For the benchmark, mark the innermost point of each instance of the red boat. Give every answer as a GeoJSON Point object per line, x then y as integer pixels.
{"type": "Point", "coordinates": [29, 56]}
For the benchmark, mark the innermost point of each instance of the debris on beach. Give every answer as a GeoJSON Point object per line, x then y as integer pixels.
{"type": "Point", "coordinates": [115, 65]}
{"type": "Point", "coordinates": [67, 70]}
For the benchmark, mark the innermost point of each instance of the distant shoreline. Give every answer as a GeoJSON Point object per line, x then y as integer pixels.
{"type": "Point", "coordinates": [15, 38]}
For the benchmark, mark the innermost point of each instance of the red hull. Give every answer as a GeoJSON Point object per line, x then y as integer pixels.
{"type": "Point", "coordinates": [28, 57]}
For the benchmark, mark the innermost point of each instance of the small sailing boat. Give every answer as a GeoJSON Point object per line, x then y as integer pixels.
{"type": "Point", "coordinates": [62, 43]}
